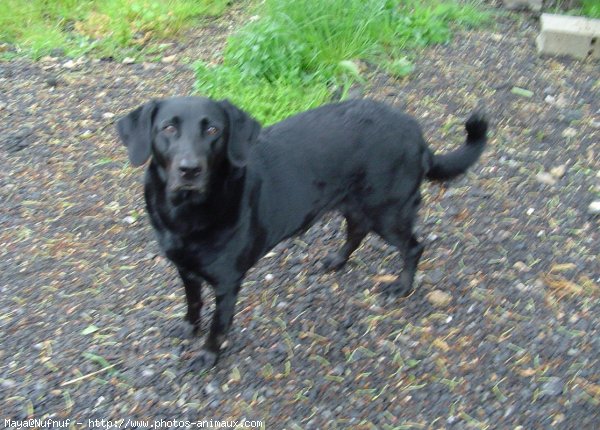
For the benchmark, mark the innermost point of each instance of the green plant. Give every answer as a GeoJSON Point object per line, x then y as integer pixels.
{"type": "Point", "coordinates": [307, 49]}
{"type": "Point", "coordinates": [590, 8]}
{"type": "Point", "coordinates": [267, 101]}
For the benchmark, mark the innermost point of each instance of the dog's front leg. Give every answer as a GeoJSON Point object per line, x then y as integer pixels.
{"type": "Point", "coordinates": [225, 299]}
{"type": "Point", "coordinates": [193, 295]}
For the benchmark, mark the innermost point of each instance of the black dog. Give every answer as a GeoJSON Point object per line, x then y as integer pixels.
{"type": "Point", "coordinates": [221, 192]}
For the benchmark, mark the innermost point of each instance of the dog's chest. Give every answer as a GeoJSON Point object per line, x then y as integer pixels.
{"type": "Point", "coordinates": [208, 257]}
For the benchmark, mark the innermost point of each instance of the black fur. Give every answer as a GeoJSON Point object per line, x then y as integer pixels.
{"type": "Point", "coordinates": [221, 192]}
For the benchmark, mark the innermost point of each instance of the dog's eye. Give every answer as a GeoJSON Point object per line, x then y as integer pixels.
{"type": "Point", "coordinates": [211, 131]}
{"type": "Point", "coordinates": [170, 129]}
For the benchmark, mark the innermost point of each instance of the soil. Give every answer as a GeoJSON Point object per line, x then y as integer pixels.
{"type": "Point", "coordinates": [503, 331]}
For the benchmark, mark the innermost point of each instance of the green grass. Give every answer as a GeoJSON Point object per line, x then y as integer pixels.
{"type": "Point", "coordinates": [114, 28]}
{"type": "Point", "coordinates": [591, 8]}
{"type": "Point", "coordinates": [297, 52]}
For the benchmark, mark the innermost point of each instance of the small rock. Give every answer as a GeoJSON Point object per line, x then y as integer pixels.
{"type": "Point", "coordinates": [561, 101]}
{"type": "Point", "coordinates": [128, 60]}
{"type": "Point", "coordinates": [52, 81]}
{"type": "Point", "coordinates": [439, 298]}
{"type": "Point", "coordinates": [558, 171]}
{"type": "Point", "coordinates": [569, 133]}
{"type": "Point", "coordinates": [338, 370]}
{"type": "Point", "coordinates": [571, 115]}
{"type": "Point", "coordinates": [148, 373]}
{"type": "Point", "coordinates": [521, 267]}
{"type": "Point", "coordinates": [530, 211]}
{"type": "Point", "coordinates": [57, 52]}
{"type": "Point", "coordinates": [269, 277]}
{"type": "Point", "coordinates": [210, 388]}
{"type": "Point", "coordinates": [86, 134]}
{"type": "Point", "coordinates": [545, 178]}
{"type": "Point", "coordinates": [108, 115]}
{"type": "Point", "coordinates": [2, 105]}
{"type": "Point", "coordinates": [8, 383]}
{"type": "Point", "coordinates": [534, 5]}
{"type": "Point", "coordinates": [549, 90]}
{"type": "Point", "coordinates": [554, 386]}
{"type": "Point", "coordinates": [169, 59]}
{"type": "Point", "coordinates": [434, 276]}
{"type": "Point", "coordinates": [452, 419]}
{"type": "Point", "coordinates": [594, 208]}
{"type": "Point", "coordinates": [550, 99]}
{"type": "Point", "coordinates": [69, 64]}
{"type": "Point", "coordinates": [523, 287]}
{"type": "Point", "coordinates": [129, 220]}
{"type": "Point", "coordinates": [595, 124]}
{"type": "Point", "coordinates": [509, 411]}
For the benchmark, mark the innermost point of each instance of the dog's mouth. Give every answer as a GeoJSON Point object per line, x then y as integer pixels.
{"type": "Point", "coordinates": [187, 193]}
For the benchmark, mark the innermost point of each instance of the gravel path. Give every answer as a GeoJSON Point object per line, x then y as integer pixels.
{"type": "Point", "coordinates": [502, 333]}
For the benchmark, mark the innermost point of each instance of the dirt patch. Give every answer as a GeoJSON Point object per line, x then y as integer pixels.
{"type": "Point", "coordinates": [88, 302]}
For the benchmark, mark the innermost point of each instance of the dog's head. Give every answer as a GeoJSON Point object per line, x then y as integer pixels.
{"type": "Point", "coordinates": [189, 139]}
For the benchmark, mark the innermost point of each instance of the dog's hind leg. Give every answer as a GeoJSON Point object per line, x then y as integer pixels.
{"type": "Point", "coordinates": [411, 251]}
{"type": "Point", "coordinates": [395, 227]}
{"type": "Point", "coordinates": [356, 230]}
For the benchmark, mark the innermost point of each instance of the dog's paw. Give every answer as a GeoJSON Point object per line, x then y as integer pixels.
{"type": "Point", "coordinates": [205, 360]}
{"type": "Point", "coordinates": [334, 261]}
{"type": "Point", "coordinates": [399, 289]}
{"type": "Point", "coordinates": [183, 330]}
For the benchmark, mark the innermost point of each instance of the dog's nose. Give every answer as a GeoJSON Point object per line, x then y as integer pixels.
{"type": "Point", "coordinates": [189, 168]}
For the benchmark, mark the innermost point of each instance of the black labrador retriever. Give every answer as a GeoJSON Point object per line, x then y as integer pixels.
{"type": "Point", "coordinates": [221, 191]}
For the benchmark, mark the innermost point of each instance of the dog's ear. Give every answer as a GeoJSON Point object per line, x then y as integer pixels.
{"type": "Point", "coordinates": [135, 131]}
{"type": "Point", "coordinates": [242, 132]}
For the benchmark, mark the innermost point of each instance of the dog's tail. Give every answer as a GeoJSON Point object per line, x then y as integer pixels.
{"type": "Point", "coordinates": [447, 166]}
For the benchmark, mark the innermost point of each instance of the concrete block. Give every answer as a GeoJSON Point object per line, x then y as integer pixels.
{"type": "Point", "coordinates": [534, 5]}
{"type": "Point", "coordinates": [575, 36]}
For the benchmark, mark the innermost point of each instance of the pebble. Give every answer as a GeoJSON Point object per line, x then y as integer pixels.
{"type": "Point", "coordinates": [439, 298]}
{"type": "Point", "coordinates": [554, 386]}
{"type": "Point", "coordinates": [8, 383]}
{"type": "Point", "coordinates": [52, 81]}
{"type": "Point", "coordinates": [521, 267]}
{"type": "Point", "coordinates": [434, 276]}
{"type": "Point", "coordinates": [338, 370]}
{"type": "Point", "coordinates": [569, 132]}
{"type": "Point", "coordinates": [545, 178]}
{"type": "Point", "coordinates": [594, 208]}
{"type": "Point", "coordinates": [148, 373]}
{"type": "Point", "coordinates": [572, 115]}
{"type": "Point", "coordinates": [128, 60]}
{"type": "Point", "coordinates": [169, 59]}
{"type": "Point", "coordinates": [558, 171]}
{"type": "Point", "coordinates": [108, 115]}
{"type": "Point", "coordinates": [210, 389]}
{"type": "Point", "coordinates": [129, 220]}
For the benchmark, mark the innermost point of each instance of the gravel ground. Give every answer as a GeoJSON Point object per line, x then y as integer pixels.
{"type": "Point", "coordinates": [502, 333]}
